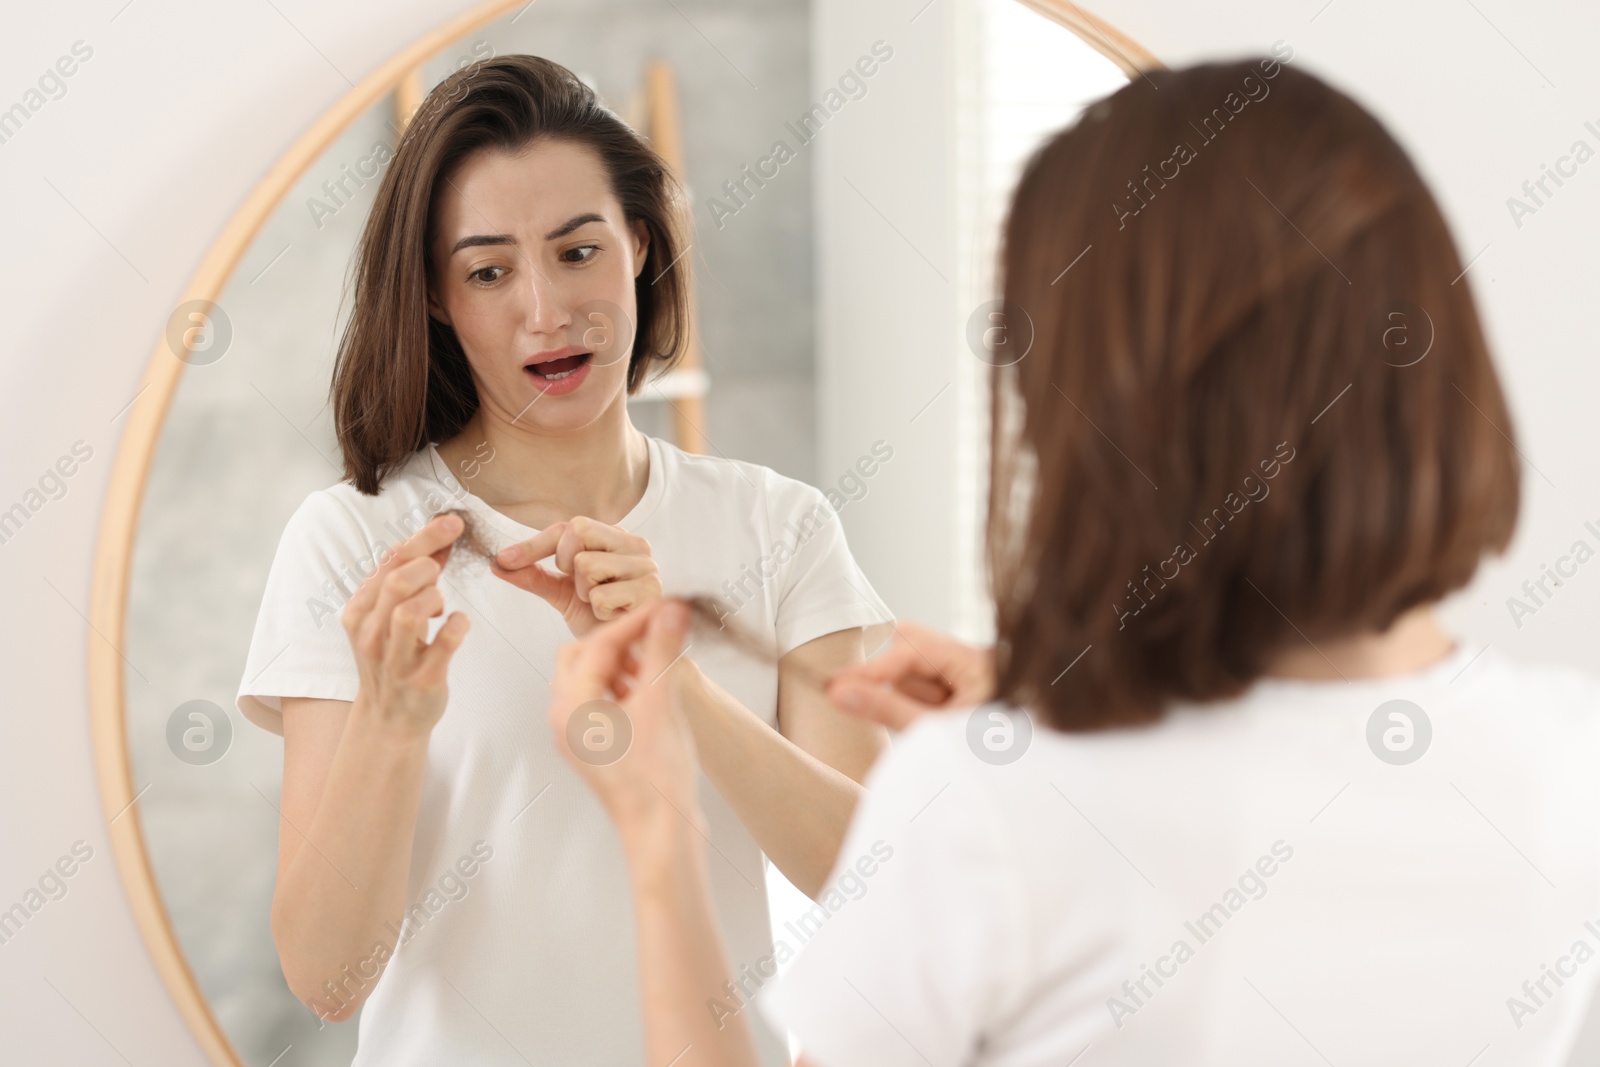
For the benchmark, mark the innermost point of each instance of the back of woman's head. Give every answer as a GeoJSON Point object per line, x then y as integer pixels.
{"type": "Point", "coordinates": [1258, 411]}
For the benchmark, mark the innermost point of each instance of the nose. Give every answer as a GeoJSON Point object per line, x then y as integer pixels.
{"type": "Point", "coordinates": [546, 313]}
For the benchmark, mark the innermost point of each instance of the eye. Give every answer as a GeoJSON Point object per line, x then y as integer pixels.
{"type": "Point", "coordinates": [572, 255]}
{"type": "Point", "coordinates": [474, 276]}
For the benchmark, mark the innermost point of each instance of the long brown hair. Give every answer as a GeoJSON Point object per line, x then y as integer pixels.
{"type": "Point", "coordinates": [401, 379]}
{"type": "Point", "coordinates": [1259, 411]}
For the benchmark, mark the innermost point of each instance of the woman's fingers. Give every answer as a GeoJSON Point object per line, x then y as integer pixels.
{"type": "Point", "coordinates": [663, 641]}
{"type": "Point", "coordinates": [526, 553]}
{"type": "Point", "coordinates": [907, 668]}
{"type": "Point", "coordinates": [626, 678]}
{"type": "Point", "coordinates": [433, 663]}
{"type": "Point", "coordinates": [566, 539]}
{"type": "Point", "coordinates": [942, 654]}
{"type": "Point", "coordinates": [436, 534]}
{"type": "Point", "coordinates": [408, 629]}
{"type": "Point", "coordinates": [402, 584]}
{"type": "Point", "coordinates": [387, 623]}
{"type": "Point", "coordinates": [584, 534]}
{"type": "Point", "coordinates": [922, 670]}
{"type": "Point", "coordinates": [896, 662]}
{"type": "Point", "coordinates": [591, 672]}
{"type": "Point", "coordinates": [877, 702]}
{"type": "Point", "coordinates": [928, 665]}
{"type": "Point", "coordinates": [555, 589]}
{"type": "Point", "coordinates": [658, 766]}
{"type": "Point", "coordinates": [397, 586]}
{"type": "Point", "coordinates": [616, 598]}
{"type": "Point", "coordinates": [592, 568]}
{"type": "Point", "coordinates": [931, 691]}
{"type": "Point", "coordinates": [602, 566]}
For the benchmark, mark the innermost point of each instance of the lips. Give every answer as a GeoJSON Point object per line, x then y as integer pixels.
{"type": "Point", "coordinates": [554, 370]}
{"type": "Point", "coordinates": [559, 371]}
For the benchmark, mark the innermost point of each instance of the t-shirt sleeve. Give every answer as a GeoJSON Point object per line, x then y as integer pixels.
{"type": "Point", "coordinates": [822, 590]}
{"type": "Point", "coordinates": [922, 949]}
{"type": "Point", "coordinates": [299, 647]}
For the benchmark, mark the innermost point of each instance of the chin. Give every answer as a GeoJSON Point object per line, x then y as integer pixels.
{"type": "Point", "coordinates": [563, 412]}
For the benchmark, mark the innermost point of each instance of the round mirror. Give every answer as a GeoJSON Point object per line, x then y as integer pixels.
{"type": "Point", "coordinates": [248, 432]}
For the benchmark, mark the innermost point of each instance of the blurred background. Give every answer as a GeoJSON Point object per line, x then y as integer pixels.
{"type": "Point", "coordinates": [833, 308]}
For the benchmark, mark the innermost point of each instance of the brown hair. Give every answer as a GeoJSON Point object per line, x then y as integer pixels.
{"type": "Point", "coordinates": [401, 379]}
{"type": "Point", "coordinates": [476, 545]}
{"type": "Point", "coordinates": [1259, 411]}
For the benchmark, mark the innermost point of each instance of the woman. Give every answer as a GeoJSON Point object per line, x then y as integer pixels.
{"type": "Point", "coordinates": [517, 281]}
{"type": "Point", "coordinates": [1260, 808]}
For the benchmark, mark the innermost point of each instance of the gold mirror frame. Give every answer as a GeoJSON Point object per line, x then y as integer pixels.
{"type": "Point", "coordinates": [120, 516]}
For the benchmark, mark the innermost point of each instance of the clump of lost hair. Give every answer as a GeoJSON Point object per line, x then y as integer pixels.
{"type": "Point", "coordinates": [708, 615]}
{"type": "Point", "coordinates": [473, 543]}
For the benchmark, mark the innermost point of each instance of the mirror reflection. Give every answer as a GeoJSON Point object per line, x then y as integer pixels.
{"type": "Point", "coordinates": [560, 297]}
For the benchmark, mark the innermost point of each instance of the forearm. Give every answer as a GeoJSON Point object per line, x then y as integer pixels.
{"type": "Point", "coordinates": [345, 884]}
{"type": "Point", "coordinates": [682, 963]}
{"type": "Point", "coordinates": [795, 806]}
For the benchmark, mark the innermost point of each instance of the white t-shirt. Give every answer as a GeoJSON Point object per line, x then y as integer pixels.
{"type": "Point", "coordinates": [1271, 891]}
{"type": "Point", "coordinates": [521, 944]}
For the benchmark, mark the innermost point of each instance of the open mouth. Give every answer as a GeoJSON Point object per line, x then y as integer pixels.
{"type": "Point", "coordinates": [555, 370]}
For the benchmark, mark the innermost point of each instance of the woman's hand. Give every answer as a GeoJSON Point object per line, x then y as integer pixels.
{"type": "Point", "coordinates": [402, 675]}
{"type": "Point", "coordinates": [605, 571]}
{"type": "Point", "coordinates": [923, 670]}
{"type": "Point", "coordinates": [617, 717]}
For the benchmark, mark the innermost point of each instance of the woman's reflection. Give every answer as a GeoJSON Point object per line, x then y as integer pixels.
{"type": "Point", "coordinates": [515, 284]}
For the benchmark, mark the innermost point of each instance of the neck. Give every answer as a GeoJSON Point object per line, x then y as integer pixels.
{"type": "Point", "coordinates": [539, 478]}
{"type": "Point", "coordinates": [1413, 642]}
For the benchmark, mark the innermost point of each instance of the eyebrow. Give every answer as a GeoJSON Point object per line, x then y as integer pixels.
{"type": "Point", "coordinates": [478, 239]}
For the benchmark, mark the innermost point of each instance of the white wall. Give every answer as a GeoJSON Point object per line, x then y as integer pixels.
{"type": "Point", "coordinates": [113, 192]}
{"type": "Point", "coordinates": [886, 193]}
